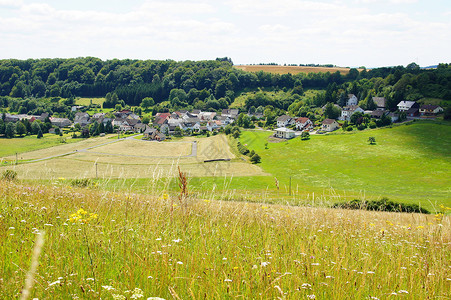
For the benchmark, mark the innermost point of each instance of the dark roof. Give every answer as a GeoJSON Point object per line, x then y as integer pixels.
{"type": "Point", "coordinates": [283, 118]}
{"type": "Point", "coordinates": [429, 107]}
{"type": "Point", "coordinates": [377, 113]}
{"type": "Point", "coordinates": [412, 110]}
{"type": "Point", "coordinates": [328, 121]}
{"type": "Point", "coordinates": [351, 107]}
{"type": "Point", "coordinates": [380, 101]}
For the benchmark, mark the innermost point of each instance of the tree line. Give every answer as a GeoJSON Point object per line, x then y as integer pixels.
{"type": "Point", "coordinates": [210, 84]}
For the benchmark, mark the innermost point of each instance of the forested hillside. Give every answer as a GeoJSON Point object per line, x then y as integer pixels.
{"type": "Point", "coordinates": [203, 84]}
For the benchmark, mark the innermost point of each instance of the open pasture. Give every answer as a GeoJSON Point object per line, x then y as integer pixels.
{"type": "Point", "coordinates": [409, 163]}
{"type": "Point", "coordinates": [88, 101]}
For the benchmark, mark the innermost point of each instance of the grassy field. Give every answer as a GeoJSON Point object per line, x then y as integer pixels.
{"type": "Point", "coordinates": [87, 101]}
{"type": "Point", "coordinates": [89, 244]}
{"type": "Point", "coordinates": [410, 163]}
{"type": "Point", "coordinates": [291, 69]}
{"type": "Point", "coordinates": [9, 147]}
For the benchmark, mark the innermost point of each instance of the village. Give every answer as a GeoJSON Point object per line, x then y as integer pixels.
{"type": "Point", "coordinates": [185, 123]}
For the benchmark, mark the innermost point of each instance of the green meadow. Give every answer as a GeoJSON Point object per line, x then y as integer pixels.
{"type": "Point", "coordinates": [31, 143]}
{"type": "Point", "coordinates": [409, 163]}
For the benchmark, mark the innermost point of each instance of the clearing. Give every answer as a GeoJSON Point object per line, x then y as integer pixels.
{"type": "Point", "coordinates": [291, 69]}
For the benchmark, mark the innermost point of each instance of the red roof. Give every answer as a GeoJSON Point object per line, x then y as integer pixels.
{"type": "Point", "coordinates": [302, 120]}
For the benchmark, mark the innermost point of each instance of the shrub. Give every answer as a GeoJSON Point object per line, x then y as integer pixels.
{"type": "Point", "coordinates": [242, 149]}
{"type": "Point", "coordinates": [9, 175]}
{"type": "Point", "coordinates": [83, 182]}
{"type": "Point", "coordinates": [381, 205]}
{"type": "Point", "coordinates": [349, 128]}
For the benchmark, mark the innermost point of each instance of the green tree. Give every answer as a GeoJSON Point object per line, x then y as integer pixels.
{"type": "Point", "coordinates": [305, 135]}
{"type": "Point", "coordinates": [21, 129]}
{"type": "Point", "coordinates": [147, 102]}
{"type": "Point", "coordinates": [372, 140]}
{"type": "Point", "coordinates": [2, 127]}
{"type": "Point", "coordinates": [39, 134]}
{"type": "Point", "coordinates": [255, 159]}
{"type": "Point", "coordinates": [145, 119]}
{"type": "Point", "coordinates": [10, 130]}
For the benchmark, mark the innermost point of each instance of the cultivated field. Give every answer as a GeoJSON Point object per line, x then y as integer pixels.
{"type": "Point", "coordinates": [103, 245]}
{"type": "Point", "coordinates": [291, 69]}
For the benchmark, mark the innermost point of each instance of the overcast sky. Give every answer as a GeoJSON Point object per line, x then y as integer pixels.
{"type": "Point", "coordinates": [353, 33]}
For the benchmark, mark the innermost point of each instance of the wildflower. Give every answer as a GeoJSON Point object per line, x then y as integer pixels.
{"type": "Point", "coordinates": [207, 201]}
{"type": "Point", "coordinates": [420, 227]}
{"type": "Point", "coordinates": [165, 196]}
{"type": "Point", "coordinates": [180, 263]}
{"type": "Point", "coordinates": [54, 283]}
{"type": "Point", "coordinates": [311, 296]}
{"type": "Point", "coordinates": [264, 263]}
{"type": "Point", "coordinates": [228, 280]}
{"type": "Point", "coordinates": [82, 216]}
{"type": "Point", "coordinates": [403, 292]}
{"type": "Point", "coordinates": [370, 272]}
{"type": "Point", "coordinates": [177, 241]}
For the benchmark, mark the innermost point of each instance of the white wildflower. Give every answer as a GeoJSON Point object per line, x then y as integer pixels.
{"type": "Point", "coordinates": [228, 280]}
{"type": "Point", "coordinates": [177, 240]}
{"type": "Point", "coordinates": [311, 296]}
{"type": "Point", "coordinates": [54, 283]}
{"type": "Point", "coordinates": [180, 263]}
{"type": "Point", "coordinates": [264, 263]}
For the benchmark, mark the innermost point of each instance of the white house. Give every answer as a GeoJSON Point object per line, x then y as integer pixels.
{"type": "Point", "coordinates": [329, 125]}
{"type": "Point", "coordinates": [304, 124]}
{"type": "Point", "coordinates": [284, 133]}
{"type": "Point", "coordinates": [406, 105]}
{"type": "Point", "coordinates": [352, 100]}
{"type": "Point", "coordinates": [348, 111]}
{"type": "Point", "coordinates": [284, 121]}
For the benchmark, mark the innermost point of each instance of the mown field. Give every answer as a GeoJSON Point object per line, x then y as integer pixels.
{"type": "Point", "coordinates": [409, 163]}
{"type": "Point", "coordinates": [89, 244]}
{"type": "Point", "coordinates": [291, 69]}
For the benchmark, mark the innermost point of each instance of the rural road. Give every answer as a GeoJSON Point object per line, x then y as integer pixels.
{"type": "Point", "coordinates": [193, 151]}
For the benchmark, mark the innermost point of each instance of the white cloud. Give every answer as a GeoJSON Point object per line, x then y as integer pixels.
{"type": "Point", "coordinates": [10, 3]}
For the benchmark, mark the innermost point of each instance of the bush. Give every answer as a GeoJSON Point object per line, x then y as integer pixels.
{"type": "Point", "coordinates": [84, 182]}
{"type": "Point", "coordinates": [349, 128]}
{"type": "Point", "coordinates": [242, 149]}
{"type": "Point", "coordinates": [372, 125]}
{"type": "Point", "coordinates": [255, 159]}
{"type": "Point", "coordinates": [381, 205]}
{"type": "Point", "coordinates": [9, 175]}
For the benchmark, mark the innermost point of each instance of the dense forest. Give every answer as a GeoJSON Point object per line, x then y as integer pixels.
{"type": "Point", "coordinates": [202, 84]}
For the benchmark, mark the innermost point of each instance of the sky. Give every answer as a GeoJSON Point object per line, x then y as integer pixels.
{"type": "Point", "coordinates": [347, 33]}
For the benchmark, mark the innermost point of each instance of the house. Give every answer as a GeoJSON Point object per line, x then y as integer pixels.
{"type": "Point", "coordinates": [206, 115]}
{"type": "Point", "coordinates": [11, 118]}
{"type": "Point", "coordinates": [352, 100]}
{"type": "Point", "coordinates": [60, 122]}
{"type": "Point", "coordinates": [304, 124]}
{"type": "Point", "coordinates": [154, 135]}
{"type": "Point", "coordinates": [406, 105]}
{"type": "Point", "coordinates": [430, 110]}
{"type": "Point", "coordinates": [232, 113]}
{"type": "Point", "coordinates": [377, 114]}
{"type": "Point", "coordinates": [329, 125]}
{"type": "Point", "coordinates": [394, 117]}
{"type": "Point", "coordinates": [81, 118]}
{"type": "Point", "coordinates": [161, 118]}
{"type": "Point", "coordinates": [284, 121]}
{"type": "Point", "coordinates": [348, 111]}
{"type": "Point", "coordinates": [77, 107]}
{"type": "Point", "coordinates": [380, 103]}
{"type": "Point", "coordinates": [413, 112]}
{"type": "Point", "coordinates": [284, 133]}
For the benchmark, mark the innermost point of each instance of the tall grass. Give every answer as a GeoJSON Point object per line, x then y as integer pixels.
{"type": "Point", "coordinates": [212, 249]}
